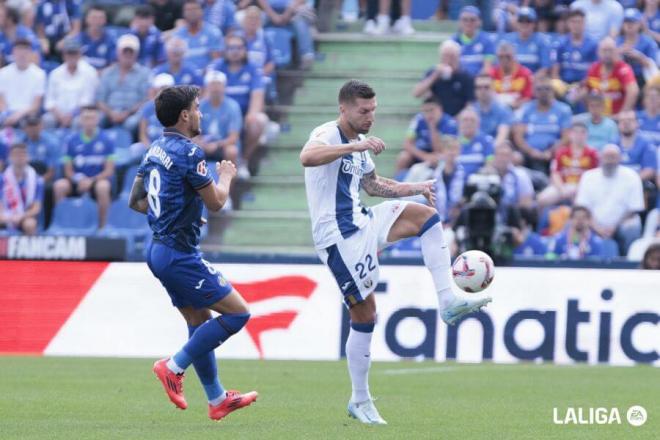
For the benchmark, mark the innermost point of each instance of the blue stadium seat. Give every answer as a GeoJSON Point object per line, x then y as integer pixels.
{"type": "Point", "coordinates": [280, 40]}
{"type": "Point", "coordinates": [74, 216]}
{"type": "Point", "coordinates": [123, 222]}
{"type": "Point", "coordinates": [129, 177]}
{"type": "Point", "coordinates": [122, 139]}
{"type": "Point", "coordinates": [609, 249]}
{"type": "Point", "coordinates": [423, 9]}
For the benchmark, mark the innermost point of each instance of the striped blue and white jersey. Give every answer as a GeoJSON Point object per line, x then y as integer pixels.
{"type": "Point", "coordinates": [333, 189]}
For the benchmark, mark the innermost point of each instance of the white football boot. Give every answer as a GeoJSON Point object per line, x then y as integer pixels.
{"type": "Point", "coordinates": [365, 412]}
{"type": "Point", "coordinates": [461, 307]}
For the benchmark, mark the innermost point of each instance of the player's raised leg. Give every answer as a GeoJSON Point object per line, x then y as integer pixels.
{"type": "Point", "coordinates": [423, 221]}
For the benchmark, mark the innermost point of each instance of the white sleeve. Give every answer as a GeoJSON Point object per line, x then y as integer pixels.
{"type": "Point", "coordinates": [369, 166]}
{"type": "Point", "coordinates": [583, 197]}
{"type": "Point", "coordinates": [320, 135]}
{"type": "Point", "coordinates": [40, 83]}
{"type": "Point", "coordinates": [636, 199]}
{"type": "Point", "coordinates": [51, 91]}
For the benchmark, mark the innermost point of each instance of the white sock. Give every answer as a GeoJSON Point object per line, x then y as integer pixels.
{"type": "Point", "coordinates": [358, 354]}
{"type": "Point", "coordinates": [219, 399]}
{"type": "Point", "coordinates": [437, 260]}
{"type": "Point", "coordinates": [174, 367]}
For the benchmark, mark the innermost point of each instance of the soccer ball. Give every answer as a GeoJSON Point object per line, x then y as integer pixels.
{"type": "Point", "coordinates": [473, 271]}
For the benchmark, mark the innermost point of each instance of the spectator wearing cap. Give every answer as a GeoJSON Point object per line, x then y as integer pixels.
{"type": "Point", "coordinates": [97, 45]}
{"type": "Point", "coordinates": [477, 48]}
{"type": "Point", "coordinates": [152, 50]}
{"type": "Point", "coordinates": [649, 116]}
{"type": "Point", "coordinates": [577, 240]}
{"type": "Point", "coordinates": [56, 21]}
{"type": "Point", "coordinates": [222, 121]}
{"type": "Point", "coordinates": [259, 51]}
{"type": "Point", "coordinates": [604, 17]}
{"type": "Point", "coordinates": [614, 195]}
{"type": "Point", "coordinates": [422, 143]}
{"type": "Point", "coordinates": [569, 163]}
{"type": "Point", "coordinates": [636, 152]}
{"type": "Point", "coordinates": [245, 86]}
{"type": "Point", "coordinates": [575, 53]}
{"type": "Point", "coordinates": [638, 49]}
{"type": "Point", "coordinates": [205, 43]}
{"type": "Point", "coordinates": [512, 81]}
{"type": "Point", "coordinates": [447, 81]}
{"type": "Point", "coordinates": [532, 48]}
{"type": "Point", "coordinates": [476, 147]}
{"type": "Point", "coordinates": [541, 126]}
{"type": "Point", "coordinates": [88, 164]}
{"type": "Point", "coordinates": [613, 78]}
{"type": "Point", "coordinates": [221, 14]}
{"type": "Point", "coordinates": [12, 31]}
{"type": "Point", "coordinates": [44, 149]}
{"type": "Point", "coordinates": [150, 127]}
{"type": "Point", "coordinates": [22, 86]}
{"type": "Point", "coordinates": [123, 86]}
{"type": "Point", "coordinates": [182, 71]}
{"type": "Point", "coordinates": [70, 86]}
{"type": "Point", "coordinates": [296, 15]}
{"type": "Point", "coordinates": [601, 130]}
{"type": "Point", "coordinates": [495, 117]}
{"type": "Point", "coordinates": [21, 193]}
{"type": "Point", "coordinates": [651, 19]}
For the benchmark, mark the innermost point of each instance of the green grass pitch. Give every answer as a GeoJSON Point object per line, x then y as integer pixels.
{"type": "Point", "coordinates": [92, 398]}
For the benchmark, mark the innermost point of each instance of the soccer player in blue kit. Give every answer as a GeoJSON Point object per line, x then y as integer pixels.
{"type": "Point", "coordinates": [171, 187]}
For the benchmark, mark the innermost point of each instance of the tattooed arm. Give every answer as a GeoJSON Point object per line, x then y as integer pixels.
{"type": "Point", "coordinates": [375, 185]}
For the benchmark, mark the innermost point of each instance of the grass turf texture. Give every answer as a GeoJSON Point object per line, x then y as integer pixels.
{"type": "Point", "coordinates": [80, 398]}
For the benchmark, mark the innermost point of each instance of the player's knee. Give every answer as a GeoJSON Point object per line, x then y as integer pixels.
{"type": "Point", "coordinates": [233, 322]}
{"type": "Point", "coordinates": [102, 187]}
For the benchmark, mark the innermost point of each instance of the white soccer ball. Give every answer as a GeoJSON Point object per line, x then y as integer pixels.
{"type": "Point", "coordinates": [473, 271]}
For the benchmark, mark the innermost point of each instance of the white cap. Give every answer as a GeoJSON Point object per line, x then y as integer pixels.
{"type": "Point", "coordinates": [128, 41]}
{"type": "Point", "coordinates": [214, 75]}
{"type": "Point", "coordinates": [162, 80]}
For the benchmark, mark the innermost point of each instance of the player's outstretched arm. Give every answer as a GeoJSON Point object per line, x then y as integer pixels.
{"type": "Point", "coordinates": [378, 186]}
{"type": "Point", "coordinates": [215, 195]}
{"type": "Point", "coordinates": [316, 154]}
{"type": "Point", "coordinates": [138, 198]}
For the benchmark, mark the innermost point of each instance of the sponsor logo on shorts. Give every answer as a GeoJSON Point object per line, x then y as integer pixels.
{"type": "Point", "coordinates": [222, 281]}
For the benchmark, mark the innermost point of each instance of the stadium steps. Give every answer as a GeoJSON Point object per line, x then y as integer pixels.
{"type": "Point", "coordinates": [276, 219]}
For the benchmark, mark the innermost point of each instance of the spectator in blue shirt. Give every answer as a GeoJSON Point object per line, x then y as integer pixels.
{"type": "Point", "coordinates": [3, 155]}
{"type": "Point", "coordinates": [578, 241]}
{"type": "Point", "coordinates": [221, 14]}
{"type": "Point", "coordinates": [449, 181]}
{"type": "Point", "coordinates": [293, 14]}
{"type": "Point", "coordinates": [576, 51]}
{"type": "Point", "coordinates": [44, 149]}
{"type": "Point", "coordinates": [649, 116]}
{"type": "Point", "coordinates": [476, 147]}
{"type": "Point", "coordinates": [422, 142]}
{"type": "Point", "coordinates": [259, 51]}
{"type": "Point", "coordinates": [528, 243]}
{"type": "Point", "coordinates": [651, 19]}
{"type": "Point", "coordinates": [88, 164]}
{"type": "Point", "coordinates": [447, 81]}
{"type": "Point", "coordinates": [150, 127]}
{"type": "Point", "coordinates": [11, 30]}
{"type": "Point", "coordinates": [123, 86]}
{"type": "Point", "coordinates": [477, 48]}
{"type": "Point", "coordinates": [204, 41]}
{"type": "Point", "coordinates": [541, 126]}
{"type": "Point", "coordinates": [152, 50]}
{"type": "Point", "coordinates": [495, 117]}
{"type": "Point", "coordinates": [57, 20]}
{"type": "Point", "coordinates": [98, 46]}
{"type": "Point", "coordinates": [21, 192]}
{"type": "Point", "coordinates": [601, 130]}
{"type": "Point", "coordinates": [636, 152]}
{"type": "Point", "coordinates": [183, 73]}
{"type": "Point", "coordinates": [532, 48]}
{"type": "Point", "coordinates": [517, 189]}
{"type": "Point", "coordinates": [222, 121]}
{"type": "Point", "coordinates": [638, 49]}
{"type": "Point", "coordinates": [245, 86]}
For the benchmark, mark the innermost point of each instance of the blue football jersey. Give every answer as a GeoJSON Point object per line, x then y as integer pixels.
{"type": "Point", "coordinates": [186, 76]}
{"type": "Point", "coordinates": [640, 156]}
{"type": "Point", "coordinates": [418, 130]}
{"type": "Point", "coordinates": [99, 53]}
{"type": "Point", "coordinates": [88, 155]}
{"type": "Point", "coordinates": [574, 60]}
{"type": "Point", "coordinates": [649, 127]}
{"type": "Point", "coordinates": [534, 53]}
{"type": "Point", "coordinates": [173, 169]}
{"type": "Point", "coordinates": [242, 83]}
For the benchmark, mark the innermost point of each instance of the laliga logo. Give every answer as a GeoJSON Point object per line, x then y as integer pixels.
{"type": "Point", "coordinates": [274, 288]}
{"type": "Point", "coordinates": [636, 416]}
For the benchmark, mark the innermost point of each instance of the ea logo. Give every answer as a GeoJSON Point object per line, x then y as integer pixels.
{"type": "Point", "coordinates": [636, 415]}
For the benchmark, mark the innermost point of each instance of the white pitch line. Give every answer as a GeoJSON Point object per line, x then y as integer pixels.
{"type": "Point", "coordinates": [426, 370]}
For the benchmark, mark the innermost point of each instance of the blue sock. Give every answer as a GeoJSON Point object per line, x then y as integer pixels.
{"type": "Point", "coordinates": [207, 371]}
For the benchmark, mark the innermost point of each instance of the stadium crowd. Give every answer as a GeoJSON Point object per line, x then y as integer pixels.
{"type": "Point", "coordinates": [561, 105]}
{"type": "Point", "coordinates": [76, 92]}
{"type": "Point", "coordinates": [555, 104]}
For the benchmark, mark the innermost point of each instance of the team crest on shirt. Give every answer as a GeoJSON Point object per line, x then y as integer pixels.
{"type": "Point", "coordinates": [478, 47]}
{"type": "Point", "coordinates": [201, 168]}
{"type": "Point", "coordinates": [101, 49]}
{"type": "Point", "coordinates": [98, 147]}
{"type": "Point", "coordinates": [246, 77]}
